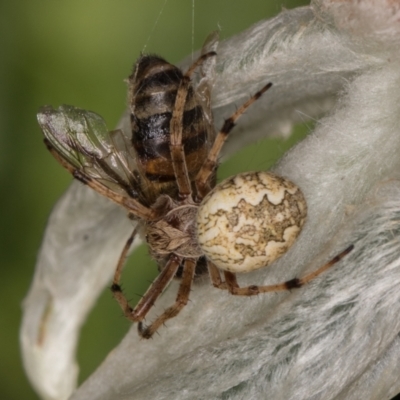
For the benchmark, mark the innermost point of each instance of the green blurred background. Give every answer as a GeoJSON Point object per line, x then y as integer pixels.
{"type": "Point", "coordinates": [78, 52]}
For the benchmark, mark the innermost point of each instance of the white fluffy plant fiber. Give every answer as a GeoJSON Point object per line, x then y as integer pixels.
{"type": "Point", "coordinates": [338, 337]}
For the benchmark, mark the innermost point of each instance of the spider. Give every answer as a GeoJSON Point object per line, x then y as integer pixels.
{"type": "Point", "coordinates": [165, 176]}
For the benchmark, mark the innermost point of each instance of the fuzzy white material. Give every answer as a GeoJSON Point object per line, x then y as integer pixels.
{"type": "Point", "coordinates": [336, 338]}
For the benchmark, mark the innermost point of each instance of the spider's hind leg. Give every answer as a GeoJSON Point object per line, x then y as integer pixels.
{"type": "Point", "coordinates": [181, 300]}
{"type": "Point", "coordinates": [295, 283]}
{"type": "Point", "coordinates": [138, 313]}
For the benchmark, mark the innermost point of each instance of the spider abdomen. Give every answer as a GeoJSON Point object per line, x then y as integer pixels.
{"type": "Point", "coordinates": [250, 220]}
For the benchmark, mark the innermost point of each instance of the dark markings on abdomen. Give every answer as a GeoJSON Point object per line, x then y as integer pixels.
{"type": "Point", "coordinates": [153, 88]}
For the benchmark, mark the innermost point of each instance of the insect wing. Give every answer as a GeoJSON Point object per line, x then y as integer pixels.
{"type": "Point", "coordinates": [207, 76]}
{"type": "Point", "coordinates": [81, 138]}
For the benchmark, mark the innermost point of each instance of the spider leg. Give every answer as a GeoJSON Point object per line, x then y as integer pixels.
{"type": "Point", "coordinates": [176, 147]}
{"type": "Point", "coordinates": [180, 302]}
{"type": "Point", "coordinates": [211, 162]}
{"type": "Point", "coordinates": [116, 287]}
{"type": "Point", "coordinates": [132, 205]}
{"type": "Point", "coordinates": [215, 276]}
{"type": "Point", "coordinates": [138, 313]}
{"type": "Point", "coordinates": [296, 283]}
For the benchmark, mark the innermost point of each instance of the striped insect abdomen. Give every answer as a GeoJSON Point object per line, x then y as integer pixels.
{"type": "Point", "coordinates": [153, 87]}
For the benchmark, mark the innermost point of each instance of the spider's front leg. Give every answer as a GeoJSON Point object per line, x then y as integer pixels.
{"type": "Point", "coordinates": [210, 164]}
{"type": "Point", "coordinates": [129, 203]}
{"type": "Point", "coordinates": [176, 128]}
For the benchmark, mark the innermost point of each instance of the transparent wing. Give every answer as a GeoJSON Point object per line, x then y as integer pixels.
{"type": "Point", "coordinates": [206, 80]}
{"type": "Point", "coordinates": [81, 139]}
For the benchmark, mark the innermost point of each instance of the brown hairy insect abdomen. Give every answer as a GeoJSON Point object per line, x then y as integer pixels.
{"type": "Point", "coordinates": [152, 93]}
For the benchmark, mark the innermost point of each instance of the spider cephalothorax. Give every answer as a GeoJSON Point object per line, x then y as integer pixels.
{"type": "Point", "coordinates": [164, 175]}
{"type": "Point", "coordinates": [174, 232]}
